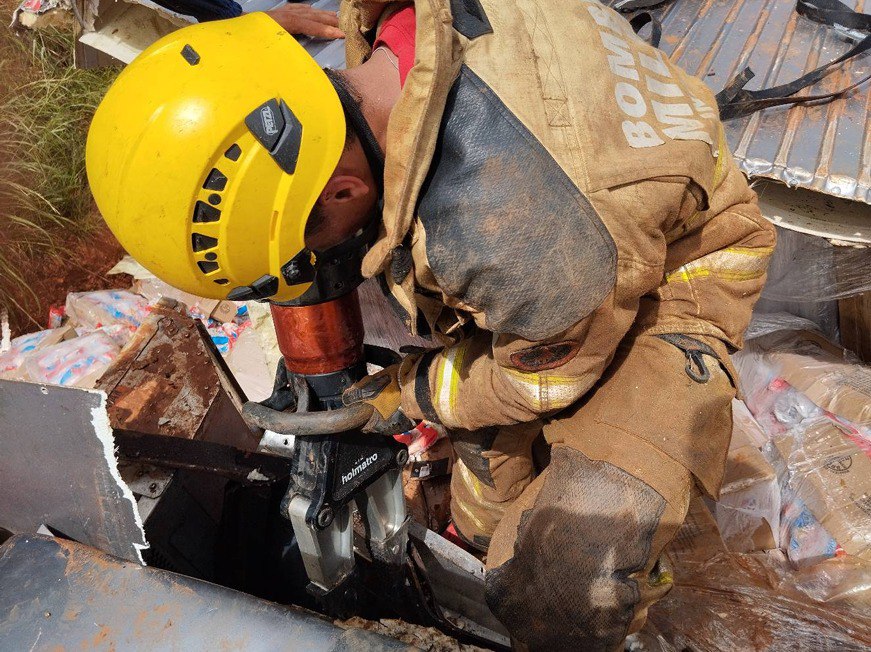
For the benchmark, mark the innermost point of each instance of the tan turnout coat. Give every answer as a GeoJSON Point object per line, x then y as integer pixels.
{"type": "Point", "coordinates": [552, 184]}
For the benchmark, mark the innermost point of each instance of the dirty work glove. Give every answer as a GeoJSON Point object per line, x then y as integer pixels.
{"type": "Point", "coordinates": [381, 391]}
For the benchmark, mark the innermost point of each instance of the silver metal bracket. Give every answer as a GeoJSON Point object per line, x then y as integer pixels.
{"type": "Point", "coordinates": [383, 508]}
{"type": "Point", "coordinates": [328, 553]}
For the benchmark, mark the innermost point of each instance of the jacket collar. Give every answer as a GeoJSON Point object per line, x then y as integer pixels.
{"type": "Point", "coordinates": [415, 120]}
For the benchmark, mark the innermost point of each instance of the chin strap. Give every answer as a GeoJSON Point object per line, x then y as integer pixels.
{"type": "Point", "coordinates": [371, 148]}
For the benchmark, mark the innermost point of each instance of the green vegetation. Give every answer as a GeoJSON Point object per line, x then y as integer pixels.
{"type": "Point", "coordinates": [45, 107]}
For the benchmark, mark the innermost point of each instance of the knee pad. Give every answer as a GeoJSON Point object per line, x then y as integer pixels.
{"type": "Point", "coordinates": [568, 585]}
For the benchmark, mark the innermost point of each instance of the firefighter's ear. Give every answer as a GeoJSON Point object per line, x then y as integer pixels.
{"type": "Point", "coordinates": [341, 189]}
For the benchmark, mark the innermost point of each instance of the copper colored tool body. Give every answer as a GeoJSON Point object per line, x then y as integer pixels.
{"type": "Point", "coordinates": [322, 338]}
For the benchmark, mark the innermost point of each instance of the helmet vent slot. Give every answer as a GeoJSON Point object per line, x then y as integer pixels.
{"type": "Point", "coordinates": [202, 242]}
{"type": "Point", "coordinates": [216, 180]}
{"type": "Point", "coordinates": [234, 152]}
{"type": "Point", "coordinates": [221, 281]}
{"type": "Point", "coordinates": [207, 266]}
{"type": "Point", "coordinates": [203, 213]}
{"type": "Point", "coordinates": [190, 55]}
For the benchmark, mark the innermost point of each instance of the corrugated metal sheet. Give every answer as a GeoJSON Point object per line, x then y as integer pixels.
{"type": "Point", "coordinates": [329, 54]}
{"type": "Point", "coordinates": [826, 147]}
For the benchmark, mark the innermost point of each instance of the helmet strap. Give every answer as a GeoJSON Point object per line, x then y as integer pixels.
{"type": "Point", "coordinates": [360, 126]}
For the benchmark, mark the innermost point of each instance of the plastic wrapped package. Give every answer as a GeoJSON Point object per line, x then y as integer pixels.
{"type": "Point", "coordinates": [746, 431]}
{"type": "Point", "coordinates": [78, 362]}
{"type": "Point", "coordinates": [805, 539]}
{"type": "Point", "coordinates": [813, 400]}
{"type": "Point", "coordinates": [748, 511]}
{"type": "Point", "coordinates": [224, 320]}
{"type": "Point", "coordinates": [808, 274]}
{"type": "Point", "coordinates": [845, 579]}
{"type": "Point", "coordinates": [825, 476]}
{"type": "Point", "coordinates": [89, 311]}
{"type": "Point", "coordinates": [198, 307]}
{"type": "Point", "coordinates": [755, 602]}
{"type": "Point", "coordinates": [767, 323]}
{"type": "Point", "coordinates": [119, 333]}
{"type": "Point", "coordinates": [698, 539]}
{"type": "Point", "coordinates": [12, 360]}
{"type": "Point", "coordinates": [780, 407]}
{"type": "Point", "coordinates": [807, 268]}
{"type": "Point", "coordinates": [790, 376]}
{"type": "Point", "coordinates": [225, 335]}
{"type": "Point", "coordinates": [56, 315]}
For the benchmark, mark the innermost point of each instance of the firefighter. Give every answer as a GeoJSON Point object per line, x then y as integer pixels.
{"type": "Point", "coordinates": [558, 210]}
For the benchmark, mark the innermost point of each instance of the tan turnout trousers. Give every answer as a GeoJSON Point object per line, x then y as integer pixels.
{"type": "Point", "coordinates": [582, 539]}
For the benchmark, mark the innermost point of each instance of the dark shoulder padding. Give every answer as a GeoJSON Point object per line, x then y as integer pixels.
{"type": "Point", "coordinates": [470, 20]}
{"type": "Point", "coordinates": [507, 230]}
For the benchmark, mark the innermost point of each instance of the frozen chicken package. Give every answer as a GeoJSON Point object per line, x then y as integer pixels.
{"type": "Point", "coordinates": [89, 311]}
{"type": "Point", "coordinates": [78, 362]}
{"type": "Point", "coordinates": [21, 347]}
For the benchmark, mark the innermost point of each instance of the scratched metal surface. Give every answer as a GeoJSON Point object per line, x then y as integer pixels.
{"type": "Point", "coordinates": [61, 595]}
{"type": "Point", "coordinates": [826, 148]}
{"type": "Point", "coordinates": [55, 469]}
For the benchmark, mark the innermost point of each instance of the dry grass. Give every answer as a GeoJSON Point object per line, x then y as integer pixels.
{"type": "Point", "coordinates": [45, 107]}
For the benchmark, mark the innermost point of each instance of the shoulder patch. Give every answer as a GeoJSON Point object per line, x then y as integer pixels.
{"type": "Point", "coordinates": [544, 356]}
{"type": "Point", "coordinates": [508, 232]}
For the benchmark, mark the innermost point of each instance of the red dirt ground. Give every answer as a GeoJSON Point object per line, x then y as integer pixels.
{"type": "Point", "coordinates": [83, 268]}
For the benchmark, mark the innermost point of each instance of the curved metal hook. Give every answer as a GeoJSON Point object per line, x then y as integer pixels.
{"type": "Point", "coordinates": [330, 422]}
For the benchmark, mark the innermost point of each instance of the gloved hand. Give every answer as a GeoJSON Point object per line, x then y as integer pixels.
{"type": "Point", "coordinates": [382, 391]}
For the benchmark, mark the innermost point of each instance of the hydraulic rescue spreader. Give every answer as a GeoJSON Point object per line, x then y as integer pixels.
{"type": "Point", "coordinates": [335, 466]}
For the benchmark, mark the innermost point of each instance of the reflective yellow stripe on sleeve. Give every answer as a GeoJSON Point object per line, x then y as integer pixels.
{"type": "Point", "coordinates": [448, 381]}
{"type": "Point", "coordinates": [731, 264]}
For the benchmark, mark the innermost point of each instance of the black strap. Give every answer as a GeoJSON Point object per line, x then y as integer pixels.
{"type": "Point", "coordinates": [833, 14]}
{"type": "Point", "coordinates": [371, 148]}
{"type": "Point", "coordinates": [642, 19]}
{"type": "Point", "coordinates": [625, 6]}
{"type": "Point", "coordinates": [422, 392]}
{"type": "Point", "coordinates": [735, 102]}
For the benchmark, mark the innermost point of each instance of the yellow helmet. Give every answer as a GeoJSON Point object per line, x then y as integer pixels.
{"type": "Point", "coordinates": [208, 153]}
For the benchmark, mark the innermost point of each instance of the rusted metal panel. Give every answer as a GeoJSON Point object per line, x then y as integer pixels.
{"type": "Point", "coordinates": [169, 383]}
{"type": "Point", "coordinates": [58, 468]}
{"type": "Point", "coordinates": [168, 380]}
{"type": "Point", "coordinates": [826, 147]}
{"type": "Point", "coordinates": [58, 594]}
